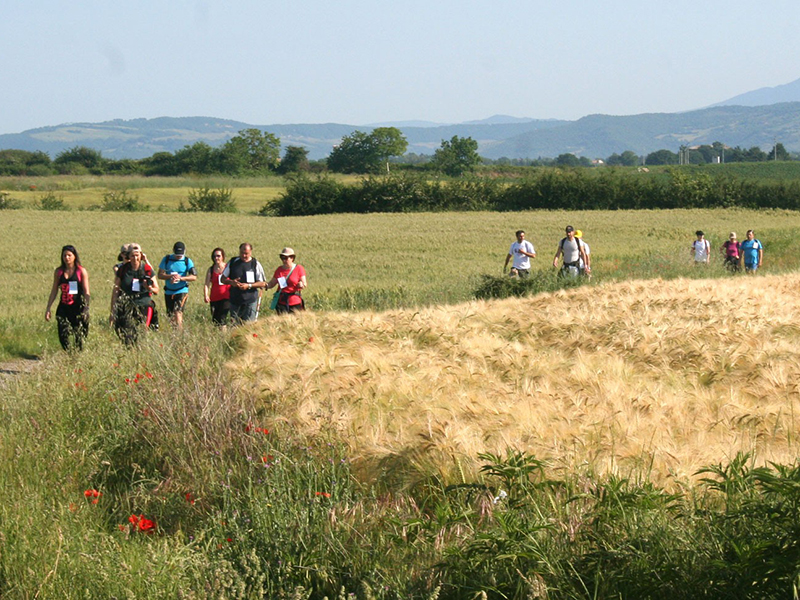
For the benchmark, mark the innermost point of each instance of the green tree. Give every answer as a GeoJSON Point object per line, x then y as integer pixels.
{"type": "Point", "coordinates": [661, 157]}
{"type": "Point", "coordinates": [778, 152]}
{"type": "Point", "coordinates": [367, 152]}
{"type": "Point", "coordinates": [81, 156]}
{"type": "Point", "coordinates": [388, 142]}
{"type": "Point", "coordinates": [626, 159]}
{"type": "Point", "coordinates": [250, 151]}
{"type": "Point", "coordinates": [198, 158]}
{"type": "Point", "coordinates": [295, 160]}
{"type": "Point", "coordinates": [456, 156]}
{"type": "Point", "coordinates": [567, 160]}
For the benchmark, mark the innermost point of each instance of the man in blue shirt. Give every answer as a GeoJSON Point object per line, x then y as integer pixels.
{"type": "Point", "coordinates": [752, 252]}
{"type": "Point", "coordinates": [177, 270]}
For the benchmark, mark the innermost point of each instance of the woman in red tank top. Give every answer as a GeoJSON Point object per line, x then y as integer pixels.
{"type": "Point", "coordinates": [217, 294]}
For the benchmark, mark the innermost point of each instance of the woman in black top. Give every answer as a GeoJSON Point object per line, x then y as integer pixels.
{"type": "Point", "coordinates": [131, 301]}
{"type": "Point", "coordinates": [71, 280]}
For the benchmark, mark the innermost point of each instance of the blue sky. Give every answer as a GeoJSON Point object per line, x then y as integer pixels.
{"type": "Point", "coordinates": [358, 62]}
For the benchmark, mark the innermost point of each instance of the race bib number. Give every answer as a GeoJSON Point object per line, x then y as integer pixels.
{"type": "Point", "coordinates": [250, 277]}
{"type": "Point", "coordinates": [136, 286]}
{"type": "Point", "coordinates": [282, 282]}
{"type": "Point", "coordinates": [73, 288]}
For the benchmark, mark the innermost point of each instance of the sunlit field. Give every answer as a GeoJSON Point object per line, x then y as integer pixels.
{"type": "Point", "coordinates": [632, 437]}
{"type": "Point", "coordinates": [374, 261]}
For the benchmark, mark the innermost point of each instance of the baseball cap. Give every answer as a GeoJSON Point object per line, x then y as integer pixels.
{"type": "Point", "coordinates": [179, 249]}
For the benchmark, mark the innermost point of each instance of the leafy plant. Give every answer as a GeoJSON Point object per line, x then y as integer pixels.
{"type": "Point", "coordinates": [206, 199]}
{"type": "Point", "coordinates": [7, 202]}
{"type": "Point", "coordinates": [51, 202]}
{"type": "Point", "coordinates": [122, 201]}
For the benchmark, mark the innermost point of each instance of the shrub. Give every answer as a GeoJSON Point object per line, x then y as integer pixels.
{"type": "Point", "coordinates": [7, 202]}
{"type": "Point", "coordinates": [51, 202]}
{"type": "Point", "coordinates": [122, 201]}
{"type": "Point", "coordinates": [206, 199]}
{"type": "Point", "coordinates": [538, 282]}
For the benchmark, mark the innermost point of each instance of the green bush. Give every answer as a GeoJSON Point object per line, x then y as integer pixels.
{"type": "Point", "coordinates": [122, 201]}
{"type": "Point", "coordinates": [51, 202]}
{"type": "Point", "coordinates": [7, 202]}
{"type": "Point", "coordinates": [206, 199]}
{"type": "Point", "coordinates": [539, 281]}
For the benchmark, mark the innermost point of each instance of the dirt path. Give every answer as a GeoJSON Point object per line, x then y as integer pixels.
{"type": "Point", "coordinates": [12, 368]}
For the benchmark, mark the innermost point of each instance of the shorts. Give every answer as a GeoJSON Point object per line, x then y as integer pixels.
{"type": "Point", "coordinates": [244, 312]}
{"type": "Point", "coordinates": [175, 302]}
{"type": "Point", "coordinates": [521, 273]}
{"type": "Point", "coordinates": [750, 266]}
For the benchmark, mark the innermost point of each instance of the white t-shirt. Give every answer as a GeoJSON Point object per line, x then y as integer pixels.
{"type": "Point", "coordinates": [586, 249]}
{"type": "Point", "coordinates": [701, 249]}
{"type": "Point", "coordinates": [520, 260]}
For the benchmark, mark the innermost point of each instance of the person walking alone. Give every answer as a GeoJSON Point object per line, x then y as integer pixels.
{"type": "Point", "coordinates": [71, 284]}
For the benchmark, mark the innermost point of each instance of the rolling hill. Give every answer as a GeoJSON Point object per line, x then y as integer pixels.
{"type": "Point", "coordinates": [593, 136]}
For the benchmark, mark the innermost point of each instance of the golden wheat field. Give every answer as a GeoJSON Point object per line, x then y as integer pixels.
{"type": "Point", "coordinates": [655, 376]}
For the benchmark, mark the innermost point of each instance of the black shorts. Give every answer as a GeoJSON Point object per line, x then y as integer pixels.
{"type": "Point", "coordinates": [175, 302]}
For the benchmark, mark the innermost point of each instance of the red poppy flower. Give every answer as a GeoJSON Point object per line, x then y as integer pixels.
{"type": "Point", "coordinates": [142, 523]}
{"type": "Point", "coordinates": [189, 498]}
{"type": "Point", "coordinates": [148, 375]}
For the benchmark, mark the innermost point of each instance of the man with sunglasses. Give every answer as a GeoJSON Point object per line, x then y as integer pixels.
{"type": "Point", "coordinates": [246, 277]}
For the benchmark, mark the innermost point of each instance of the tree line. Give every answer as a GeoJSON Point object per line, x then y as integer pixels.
{"type": "Point", "coordinates": [549, 189]}
{"type": "Point", "coordinates": [256, 152]}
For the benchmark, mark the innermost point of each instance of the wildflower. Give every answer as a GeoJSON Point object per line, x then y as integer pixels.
{"type": "Point", "coordinates": [248, 427]}
{"type": "Point", "coordinates": [148, 375]}
{"type": "Point", "coordinates": [230, 539]}
{"type": "Point", "coordinates": [501, 496]}
{"type": "Point", "coordinates": [189, 498]}
{"type": "Point", "coordinates": [142, 523]}
{"type": "Point", "coordinates": [323, 494]}
{"type": "Point", "coordinates": [255, 335]}
{"type": "Point", "coordinates": [127, 380]}
{"type": "Point", "coordinates": [93, 494]}
{"type": "Point", "coordinates": [311, 340]}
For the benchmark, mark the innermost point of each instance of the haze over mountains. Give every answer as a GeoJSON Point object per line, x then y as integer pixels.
{"type": "Point", "coordinates": [757, 118]}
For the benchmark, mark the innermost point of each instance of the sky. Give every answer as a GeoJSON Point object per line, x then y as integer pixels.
{"type": "Point", "coordinates": [355, 62]}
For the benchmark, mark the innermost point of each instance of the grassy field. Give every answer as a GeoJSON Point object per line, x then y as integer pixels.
{"type": "Point", "coordinates": [447, 448]}
{"type": "Point", "coordinates": [358, 262]}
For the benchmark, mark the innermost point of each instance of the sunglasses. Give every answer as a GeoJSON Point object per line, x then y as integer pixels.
{"type": "Point", "coordinates": [282, 256]}
{"type": "Point", "coordinates": [218, 256]}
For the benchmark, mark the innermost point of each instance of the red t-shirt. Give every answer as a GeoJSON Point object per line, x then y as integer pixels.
{"type": "Point", "coordinates": [292, 283]}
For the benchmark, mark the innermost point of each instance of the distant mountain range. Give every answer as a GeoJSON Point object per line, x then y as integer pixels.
{"type": "Point", "coordinates": [757, 118]}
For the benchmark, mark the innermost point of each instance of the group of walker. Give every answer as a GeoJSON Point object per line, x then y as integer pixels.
{"type": "Point", "coordinates": [747, 255]}
{"type": "Point", "coordinates": [233, 290]}
{"type": "Point", "coordinates": [572, 247]}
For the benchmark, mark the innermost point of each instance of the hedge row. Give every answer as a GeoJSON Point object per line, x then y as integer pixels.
{"type": "Point", "coordinates": [547, 189]}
